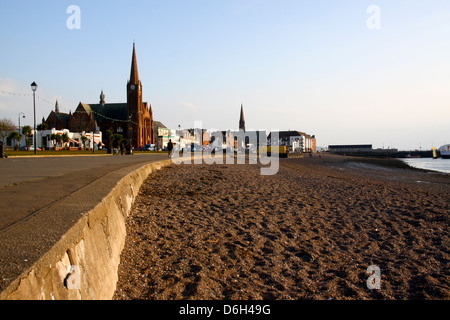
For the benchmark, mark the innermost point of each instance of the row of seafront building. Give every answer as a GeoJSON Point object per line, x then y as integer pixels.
{"type": "Point", "coordinates": [83, 138]}
{"type": "Point", "coordinates": [295, 141]}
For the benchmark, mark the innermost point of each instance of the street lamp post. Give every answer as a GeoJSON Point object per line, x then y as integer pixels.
{"type": "Point", "coordinates": [130, 132]}
{"type": "Point", "coordinates": [19, 125]}
{"type": "Point", "coordinates": [93, 138]}
{"type": "Point", "coordinates": [93, 132]}
{"type": "Point", "coordinates": [34, 88]}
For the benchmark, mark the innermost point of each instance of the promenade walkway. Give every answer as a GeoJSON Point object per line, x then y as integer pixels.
{"type": "Point", "coordinates": [42, 197]}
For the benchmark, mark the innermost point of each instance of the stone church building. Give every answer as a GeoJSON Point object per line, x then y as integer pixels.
{"type": "Point", "coordinates": [133, 119]}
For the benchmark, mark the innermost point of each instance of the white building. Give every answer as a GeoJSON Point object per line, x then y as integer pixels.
{"type": "Point", "coordinates": [296, 141]}
{"type": "Point", "coordinates": [75, 139]}
{"type": "Point", "coordinates": [164, 135]}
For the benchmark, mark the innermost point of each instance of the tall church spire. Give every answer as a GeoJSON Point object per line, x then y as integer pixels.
{"type": "Point", "coordinates": [102, 98]}
{"type": "Point", "coordinates": [57, 106]}
{"type": "Point", "coordinates": [241, 120]}
{"type": "Point", "coordinates": [134, 76]}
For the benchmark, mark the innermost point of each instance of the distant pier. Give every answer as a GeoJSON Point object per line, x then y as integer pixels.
{"type": "Point", "coordinates": [368, 151]}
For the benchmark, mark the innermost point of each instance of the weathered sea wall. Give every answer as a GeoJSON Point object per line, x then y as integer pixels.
{"type": "Point", "coordinates": [83, 264]}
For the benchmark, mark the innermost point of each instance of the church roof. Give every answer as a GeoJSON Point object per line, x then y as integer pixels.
{"type": "Point", "coordinates": [157, 124]}
{"type": "Point", "coordinates": [64, 117]}
{"type": "Point", "coordinates": [86, 107]}
{"type": "Point", "coordinates": [108, 111]}
{"type": "Point", "coordinates": [115, 111]}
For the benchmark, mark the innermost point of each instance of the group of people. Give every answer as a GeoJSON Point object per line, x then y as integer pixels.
{"type": "Point", "coordinates": [126, 149]}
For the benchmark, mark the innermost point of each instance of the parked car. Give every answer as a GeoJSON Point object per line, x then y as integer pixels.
{"type": "Point", "coordinates": [149, 147]}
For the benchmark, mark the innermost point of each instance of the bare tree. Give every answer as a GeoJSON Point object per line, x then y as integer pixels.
{"type": "Point", "coordinates": [6, 126]}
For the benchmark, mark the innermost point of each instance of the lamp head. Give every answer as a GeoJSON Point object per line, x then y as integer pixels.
{"type": "Point", "coordinates": [34, 86]}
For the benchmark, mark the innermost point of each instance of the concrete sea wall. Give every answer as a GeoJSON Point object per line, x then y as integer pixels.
{"type": "Point", "coordinates": [83, 264]}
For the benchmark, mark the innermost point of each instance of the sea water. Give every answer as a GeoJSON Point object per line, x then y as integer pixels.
{"type": "Point", "coordinates": [441, 165]}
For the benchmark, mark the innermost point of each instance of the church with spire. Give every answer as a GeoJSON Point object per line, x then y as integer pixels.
{"type": "Point", "coordinates": [133, 119]}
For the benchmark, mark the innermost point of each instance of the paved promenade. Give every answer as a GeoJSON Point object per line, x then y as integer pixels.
{"type": "Point", "coordinates": [42, 197]}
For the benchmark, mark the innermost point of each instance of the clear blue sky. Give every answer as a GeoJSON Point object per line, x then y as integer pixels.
{"type": "Point", "coordinates": [312, 66]}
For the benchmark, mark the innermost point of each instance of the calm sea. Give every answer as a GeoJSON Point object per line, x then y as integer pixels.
{"type": "Point", "coordinates": [441, 165]}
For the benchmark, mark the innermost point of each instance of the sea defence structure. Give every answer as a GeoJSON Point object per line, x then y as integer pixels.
{"type": "Point", "coordinates": [83, 263]}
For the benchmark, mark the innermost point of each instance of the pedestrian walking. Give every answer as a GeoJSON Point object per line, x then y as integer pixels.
{"type": "Point", "coordinates": [170, 147]}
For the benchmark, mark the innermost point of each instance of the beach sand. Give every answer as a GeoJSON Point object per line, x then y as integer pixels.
{"type": "Point", "coordinates": [309, 232]}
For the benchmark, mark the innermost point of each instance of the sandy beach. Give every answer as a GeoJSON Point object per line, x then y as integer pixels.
{"type": "Point", "coordinates": [309, 232]}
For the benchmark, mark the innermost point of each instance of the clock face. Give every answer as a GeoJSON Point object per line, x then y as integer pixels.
{"type": "Point", "coordinates": [133, 87]}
